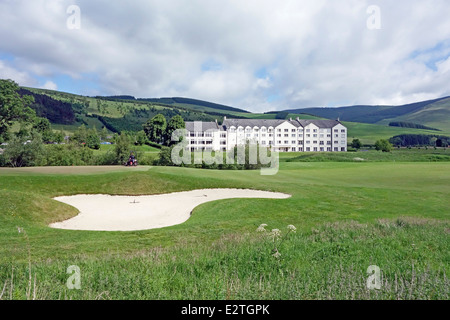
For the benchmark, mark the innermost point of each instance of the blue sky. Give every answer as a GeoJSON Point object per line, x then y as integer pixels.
{"type": "Point", "coordinates": [259, 55]}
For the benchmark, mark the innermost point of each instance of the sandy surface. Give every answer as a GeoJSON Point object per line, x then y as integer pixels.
{"type": "Point", "coordinates": [130, 213]}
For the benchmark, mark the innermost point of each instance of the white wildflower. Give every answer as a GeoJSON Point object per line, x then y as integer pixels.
{"type": "Point", "coordinates": [261, 228]}
{"type": "Point", "coordinates": [292, 228]}
{"type": "Point", "coordinates": [277, 255]}
{"type": "Point", "coordinates": [276, 234]}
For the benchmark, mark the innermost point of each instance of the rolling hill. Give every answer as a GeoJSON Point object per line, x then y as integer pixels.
{"type": "Point", "coordinates": [432, 113]}
{"type": "Point", "coordinates": [118, 113]}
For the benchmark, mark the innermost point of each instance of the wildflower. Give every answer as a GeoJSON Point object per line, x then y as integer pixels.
{"type": "Point", "coordinates": [277, 254]}
{"type": "Point", "coordinates": [276, 234]}
{"type": "Point", "coordinates": [292, 228]}
{"type": "Point", "coordinates": [261, 228]}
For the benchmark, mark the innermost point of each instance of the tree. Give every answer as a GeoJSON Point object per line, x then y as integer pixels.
{"type": "Point", "coordinates": [383, 145]}
{"type": "Point", "coordinates": [140, 138]}
{"type": "Point", "coordinates": [122, 148]}
{"type": "Point", "coordinates": [155, 128]}
{"type": "Point", "coordinates": [175, 123]}
{"type": "Point", "coordinates": [81, 134]}
{"type": "Point", "coordinates": [357, 144]}
{"type": "Point", "coordinates": [24, 153]}
{"type": "Point", "coordinates": [13, 107]}
{"type": "Point", "coordinates": [92, 139]}
{"type": "Point", "coordinates": [43, 126]}
{"type": "Point", "coordinates": [164, 157]}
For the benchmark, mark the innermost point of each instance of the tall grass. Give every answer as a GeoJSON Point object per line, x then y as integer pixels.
{"type": "Point", "coordinates": [328, 262]}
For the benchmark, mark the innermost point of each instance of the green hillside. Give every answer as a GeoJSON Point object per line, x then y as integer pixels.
{"type": "Point", "coordinates": [127, 113]}
{"type": "Point", "coordinates": [432, 113]}
{"type": "Point", "coordinates": [435, 115]}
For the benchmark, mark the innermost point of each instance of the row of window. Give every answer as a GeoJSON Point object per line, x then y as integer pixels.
{"type": "Point", "coordinates": [255, 130]}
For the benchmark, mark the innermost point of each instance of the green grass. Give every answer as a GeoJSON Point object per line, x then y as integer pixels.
{"type": "Point", "coordinates": [348, 215]}
{"type": "Point", "coordinates": [369, 133]}
{"type": "Point", "coordinates": [400, 155]}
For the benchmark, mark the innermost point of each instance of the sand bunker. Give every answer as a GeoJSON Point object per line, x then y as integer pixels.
{"type": "Point", "coordinates": [131, 213]}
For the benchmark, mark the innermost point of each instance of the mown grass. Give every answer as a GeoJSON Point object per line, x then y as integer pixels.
{"type": "Point", "coordinates": [401, 155]}
{"type": "Point", "coordinates": [347, 216]}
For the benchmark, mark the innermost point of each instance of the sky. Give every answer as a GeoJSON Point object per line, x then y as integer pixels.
{"type": "Point", "coordinates": [258, 55]}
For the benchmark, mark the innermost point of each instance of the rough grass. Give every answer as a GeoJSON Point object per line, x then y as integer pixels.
{"type": "Point", "coordinates": [328, 262]}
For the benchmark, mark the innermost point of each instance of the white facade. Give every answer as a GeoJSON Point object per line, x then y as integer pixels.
{"type": "Point", "coordinates": [279, 135]}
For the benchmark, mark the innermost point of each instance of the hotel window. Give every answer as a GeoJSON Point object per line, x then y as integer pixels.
{"type": "Point", "coordinates": [279, 130]}
{"type": "Point", "coordinates": [308, 135]}
{"type": "Point", "coordinates": [308, 149]}
{"type": "Point", "coordinates": [322, 149]}
{"type": "Point", "coordinates": [223, 143]}
{"type": "Point", "coordinates": [343, 136]}
{"type": "Point", "coordinates": [263, 135]}
{"type": "Point", "coordinates": [300, 142]}
{"type": "Point", "coordinates": [328, 142]}
{"type": "Point", "coordinates": [286, 142]}
{"type": "Point", "coordinates": [286, 135]}
{"type": "Point", "coordinates": [293, 130]}
{"type": "Point", "coordinates": [328, 149]}
{"type": "Point", "coordinates": [279, 142]}
{"type": "Point", "coordinates": [336, 149]}
{"type": "Point", "coordinates": [321, 135]}
{"type": "Point", "coordinates": [223, 135]}
{"type": "Point", "coordinates": [270, 142]}
{"type": "Point", "coordinates": [279, 135]}
{"type": "Point", "coordinates": [294, 136]}
{"type": "Point", "coordinates": [286, 130]}
{"type": "Point", "coordinates": [208, 134]}
{"type": "Point", "coordinates": [328, 135]}
{"type": "Point", "coordinates": [315, 130]}
{"type": "Point", "coordinates": [308, 130]}
{"type": "Point", "coordinates": [315, 142]}
{"type": "Point", "coordinates": [263, 143]}
{"type": "Point", "coordinates": [343, 149]}
{"type": "Point", "coordinates": [308, 142]}
{"type": "Point", "coordinates": [343, 130]}
{"type": "Point", "coordinates": [336, 136]}
{"type": "Point", "coordinates": [300, 135]}
{"type": "Point", "coordinates": [315, 148]}
{"type": "Point", "coordinates": [314, 135]}
{"type": "Point", "coordinates": [336, 130]}
{"type": "Point", "coordinates": [321, 143]}
{"type": "Point", "coordinates": [300, 149]}
{"type": "Point", "coordinates": [293, 142]}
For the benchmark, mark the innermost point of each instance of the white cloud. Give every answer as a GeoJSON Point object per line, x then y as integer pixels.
{"type": "Point", "coordinates": [50, 85]}
{"type": "Point", "coordinates": [316, 52]}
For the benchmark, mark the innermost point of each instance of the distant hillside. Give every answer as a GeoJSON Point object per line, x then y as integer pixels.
{"type": "Point", "coordinates": [183, 102]}
{"type": "Point", "coordinates": [432, 113]}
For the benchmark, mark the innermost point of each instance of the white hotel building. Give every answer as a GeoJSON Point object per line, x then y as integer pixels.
{"type": "Point", "coordinates": [280, 135]}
